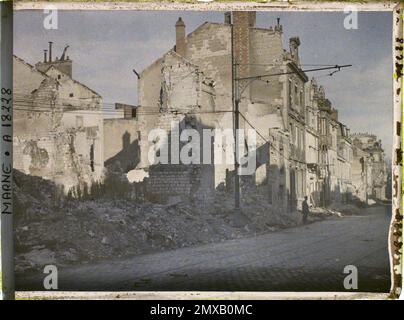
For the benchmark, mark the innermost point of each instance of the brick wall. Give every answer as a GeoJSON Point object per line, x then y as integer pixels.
{"type": "Point", "coordinates": [242, 22]}
{"type": "Point", "coordinates": [171, 183]}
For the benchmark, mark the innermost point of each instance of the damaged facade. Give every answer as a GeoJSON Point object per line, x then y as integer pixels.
{"type": "Point", "coordinates": [184, 98]}
{"type": "Point", "coordinates": [369, 169]}
{"type": "Point", "coordinates": [58, 123]}
{"type": "Point", "coordinates": [302, 147]}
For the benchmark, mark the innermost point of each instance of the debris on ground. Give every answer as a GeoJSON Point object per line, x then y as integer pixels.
{"type": "Point", "coordinates": [50, 230]}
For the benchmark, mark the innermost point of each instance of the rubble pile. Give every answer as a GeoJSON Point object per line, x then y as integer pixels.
{"type": "Point", "coordinates": [70, 231]}
{"type": "Point", "coordinates": [262, 216]}
{"type": "Point", "coordinates": [344, 209]}
{"type": "Point", "coordinates": [335, 210]}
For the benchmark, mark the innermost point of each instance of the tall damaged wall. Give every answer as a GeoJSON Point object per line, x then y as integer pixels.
{"type": "Point", "coordinates": [209, 48]}
{"type": "Point", "coordinates": [266, 58]}
{"type": "Point", "coordinates": [68, 156]}
{"type": "Point", "coordinates": [186, 97]}
{"type": "Point", "coordinates": [57, 138]}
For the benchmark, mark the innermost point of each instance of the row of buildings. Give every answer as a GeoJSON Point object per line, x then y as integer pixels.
{"type": "Point", "coordinates": [302, 147]}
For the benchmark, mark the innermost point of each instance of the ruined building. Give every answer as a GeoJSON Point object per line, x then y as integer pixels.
{"type": "Point", "coordinates": [274, 106]}
{"type": "Point", "coordinates": [315, 172]}
{"type": "Point", "coordinates": [179, 97]}
{"type": "Point", "coordinates": [186, 97]}
{"type": "Point", "coordinates": [345, 188]}
{"type": "Point", "coordinates": [302, 147]}
{"type": "Point", "coordinates": [332, 172]}
{"type": "Point", "coordinates": [369, 169]}
{"type": "Point", "coordinates": [58, 123]}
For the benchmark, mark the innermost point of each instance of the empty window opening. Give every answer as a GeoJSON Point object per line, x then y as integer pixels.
{"type": "Point", "coordinates": [92, 157]}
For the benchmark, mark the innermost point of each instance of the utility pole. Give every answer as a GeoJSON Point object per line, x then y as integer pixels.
{"type": "Point", "coordinates": [328, 180]}
{"type": "Point", "coordinates": [236, 103]}
{"type": "Point", "coordinates": [366, 179]}
{"type": "Point", "coordinates": [236, 149]}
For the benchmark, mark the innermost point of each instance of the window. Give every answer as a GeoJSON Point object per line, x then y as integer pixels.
{"type": "Point", "coordinates": [270, 193]}
{"type": "Point", "coordinates": [296, 95]}
{"type": "Point", "coordinates": [71, 95]}
{"type": "Point", "coordinates": [79, 121]}
{"type": "Point", "coordinates": [324, 126]}
{"type": "Point", "coordinates": [92, 157]}
{"type": "Point", "coordinates": [298, 138]}
{"type": "Point", "coordinates": [281, 192]}
{"type": "Point", "coordinates": [290, 93]}
{"type": "Point", "coordinates": [59, 76]}
{"type": "Point", "coordinates": [301, 183]}
{"type": "Point", "coordinates": [292, 133]}
{"type": "Point", "coordinates": [133, 112]}
{"type": "Point", "coordinates": [302, 138]}
{"type": "Point", "coordinates": [301, 98]}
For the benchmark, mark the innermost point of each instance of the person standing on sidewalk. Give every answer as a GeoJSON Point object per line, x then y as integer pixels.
{"type": "Point", "coordinates": [305, 210]}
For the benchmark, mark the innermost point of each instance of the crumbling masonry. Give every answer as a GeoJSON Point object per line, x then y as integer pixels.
{"type": "Point", "coordinates": [58, 124]}
{"type": "Point", "coordinates": [302, 147]}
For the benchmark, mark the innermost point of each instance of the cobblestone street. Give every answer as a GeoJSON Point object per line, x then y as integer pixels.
{"type": "Point", "coordinates": [306, 258]}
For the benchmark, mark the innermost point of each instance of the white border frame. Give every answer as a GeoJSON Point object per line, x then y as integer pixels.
{"type": "Point", "coordinates": [395, 233]}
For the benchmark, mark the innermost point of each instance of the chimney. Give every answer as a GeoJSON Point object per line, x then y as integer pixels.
{"type": "Point", "coordinates": [278, 26]}
{"type": "Point", "coordinates": [50, 51]}
{"type": "Point", "coordinates": [227, 17]}
{"type": "Point", "coordinates": [62, 64]}
{"type": "Point", "coordinates": [242, 22]}
{"type": "Point", "coordinates": [294, 44]}
{"type": "Point", "coordinates": [180, 37]}
{"type": "Point", "coordinates": [44, 55]}
{"type": "Point", "coordinates": [252, 18]}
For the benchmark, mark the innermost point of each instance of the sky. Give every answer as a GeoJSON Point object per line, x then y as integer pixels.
{"type": "Point", "coordinates": [106, 45]}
